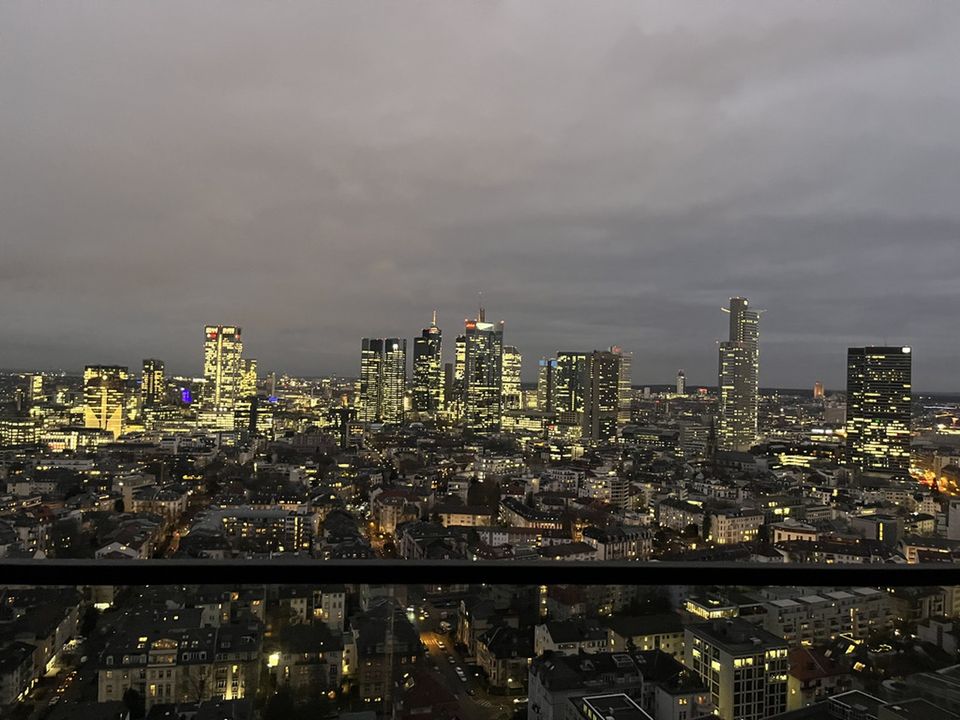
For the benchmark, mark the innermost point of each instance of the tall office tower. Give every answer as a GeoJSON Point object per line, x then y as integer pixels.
{"type": "Point", "coordinates": [35, 389]}
{"type": "Point", "coordinates": [383, 379]}
{"type": "Point", "coordinates": [428, 370]}
{"type": "Point", "coordinates": [512, 360]}
{"type": "Point", "coordinates": [449, 388]}
{"type": "Point", "coordinates": [603, 395]}
{"type": "Point", "coordinates": [104, 397]}
{"type": "Point", "coordinates": [681, 383]}
{"type": "Point", "coordinates": [454, 383]}
{"type": "Point", "coordinates": [222, 369]}
{"type": "Point", "coordinates": [738, 379]}
{"type": "Point", "coordinates": [483, 374]}
{"type": "Point", "coordinates": [589, 392]}
{"type": "Point", "coordinates": [878, 409]}
{"type": "Point", "coordinates": [248, 379]}
{"type": "Point", "coordinates": [624, 377]}
{"type": "Point", "coordinates": [153, 383]}
{"type": "Point", "coordinates": [818, 390]}
{"type": "Point", "coordinates": [570, 393]}
{"type": "Point", "coordinates": [546, 384]}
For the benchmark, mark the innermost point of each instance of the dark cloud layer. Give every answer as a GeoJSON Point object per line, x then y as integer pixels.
{"type": "Point", "coordinates": [605, 172]}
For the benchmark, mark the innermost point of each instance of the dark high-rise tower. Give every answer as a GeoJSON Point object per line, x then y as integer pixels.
{"type": "Point", "coordinates": [738, 379]}
{"type": "Point", "coordinates": [878, 408]}
{"type": "Point", "coordinates": [428, 379]}
{"type": "Point", "coordinates": [152, 383]}
{"type": "Point", "coordinates": [590, 391]}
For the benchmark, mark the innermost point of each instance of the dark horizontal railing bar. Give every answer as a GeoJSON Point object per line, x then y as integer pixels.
{"type": "Point", "coordinates": [402, 572]}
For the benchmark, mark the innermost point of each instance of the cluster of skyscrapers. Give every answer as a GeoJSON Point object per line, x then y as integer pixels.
{"type": "Point", "coordinates": [587, 392]}
{"type": "Point", "coordinates": [228, 399]}
{"type": "Point", "coordinates": [579, 394]}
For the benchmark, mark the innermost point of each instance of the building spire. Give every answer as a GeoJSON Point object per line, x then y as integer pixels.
{"type": "Point", "coordinates": [433, 322]}
{"type": "Point", "coordinates": [482, 315]}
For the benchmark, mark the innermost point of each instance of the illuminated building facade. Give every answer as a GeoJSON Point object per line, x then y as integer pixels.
{"type": "Point", "coordinates": [428, 377]}
{"type": "Point", "coordinates": [738, 381]}
{"type": "Point", "coordinates": [383, 379]}
{"type": "Point", "coordinates": [248, 379]}
{"type": "Point", "coordinates": [222, 372]}
{"type": "Point", "coordinates": [624, 378]}
{"type": "Point", "coordinates": [818, 390]}
{"type": "Point", "coordinates": [104, 397]}
{"type": "Point", "coordinates": [512, 396]}
{"type": "Point", "coordinates": [455, 387]}
{"type": "Point", "coordinates": [483, 374]}
{"type": "Point", "coordinates": [546, 384]}
{"type": "Point", "coordinates": [681, 383]}
{"type": "Point", "coordinates": [570, 387]}
{"type": "Point", "coordinates": [744, 666]}
{"type": "Point", "coordinates": [152, 383]}
{"type": "Point", "coordinates": [878, 408]}
{"type": "Point", "coordinates": [604, 393]}
{"type": "Point", "coordinates": [35, 389]}
{"type": "Point", "coordinates": [593, 391]}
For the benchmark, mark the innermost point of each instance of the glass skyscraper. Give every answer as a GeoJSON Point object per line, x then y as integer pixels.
{"type": "Point", "coordinates": [738, 381]}
{"type": "Point", "coordinates": [222, 371]}
{"type": "Point", "coordinates": [383, 377]}
{"type": "Point", "coordinates": [428, 379]}
{"type": "Point", "coordinates": [483, 374]}
{"type": "Point", "coordinates": [878, 408]}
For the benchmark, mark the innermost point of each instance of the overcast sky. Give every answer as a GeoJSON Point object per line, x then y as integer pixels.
{"type": "Point", "coordinates": [604, 172]}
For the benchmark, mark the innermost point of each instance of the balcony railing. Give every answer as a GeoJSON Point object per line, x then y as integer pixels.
{"type": "Point", "coordinates": [293, 571]}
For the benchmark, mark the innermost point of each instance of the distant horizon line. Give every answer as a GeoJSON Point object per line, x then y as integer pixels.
{"type": "Point", "coordinates": [667, 385]}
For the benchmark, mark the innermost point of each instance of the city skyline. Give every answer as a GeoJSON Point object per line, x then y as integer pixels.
{"type": "Point", "coordinates": [752, 150]}
{"type": "Point", "coordinates": [530, 370]}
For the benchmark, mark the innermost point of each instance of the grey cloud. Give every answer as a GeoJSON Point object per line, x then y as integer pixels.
{"type": "Point", "coordinates": [604, 172]}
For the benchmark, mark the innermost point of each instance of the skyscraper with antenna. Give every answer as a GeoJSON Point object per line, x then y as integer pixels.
{"type": "Point", "coordinates": [483, 373]}
{"type": "Point", "coordinates": [428, 378]}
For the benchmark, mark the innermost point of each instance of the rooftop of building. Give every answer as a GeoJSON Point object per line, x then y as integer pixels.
{"type": "Point", "coordinates": [737, 636]}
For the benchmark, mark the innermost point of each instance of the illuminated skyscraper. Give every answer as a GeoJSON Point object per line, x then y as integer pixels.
{"type": "Point", "coordinates": [681, 383]}
{"type": "Point", "coordinates": [738, 380]}
{"type": "Point", "coordinates": [104, 397]}
{"type": "Point", "coordinates": [604, 394]}
{"type": "Point", "coordinates": [383, 379]}
{"type": "Point", "coordinates": [593, 391]}
{"type": "Point", "coordinates": [222, 371]}
{"type": "Point", "coordinates": [152, 383]}
{"type": "Point", "coordinates": [878, 408]}
{"type": "Point", "coordinates": [624, 378]}
{"type": "Point", "coordinates": [570, 387]}
{"type": "Point", "coordinates": [546, 384]}
{"type": "Point", "coordinates": [248, 379]}
{"type": "Point", "coordinates": [818, 390]}
{"type": "Point", "coordinates": [512, 360]}
{"type": "Point", "coordinates": [35, 389]}
{"type": "Point", "coordinates": [483, 374]}
{"type": "Point", "coordinates": [428, 379]}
